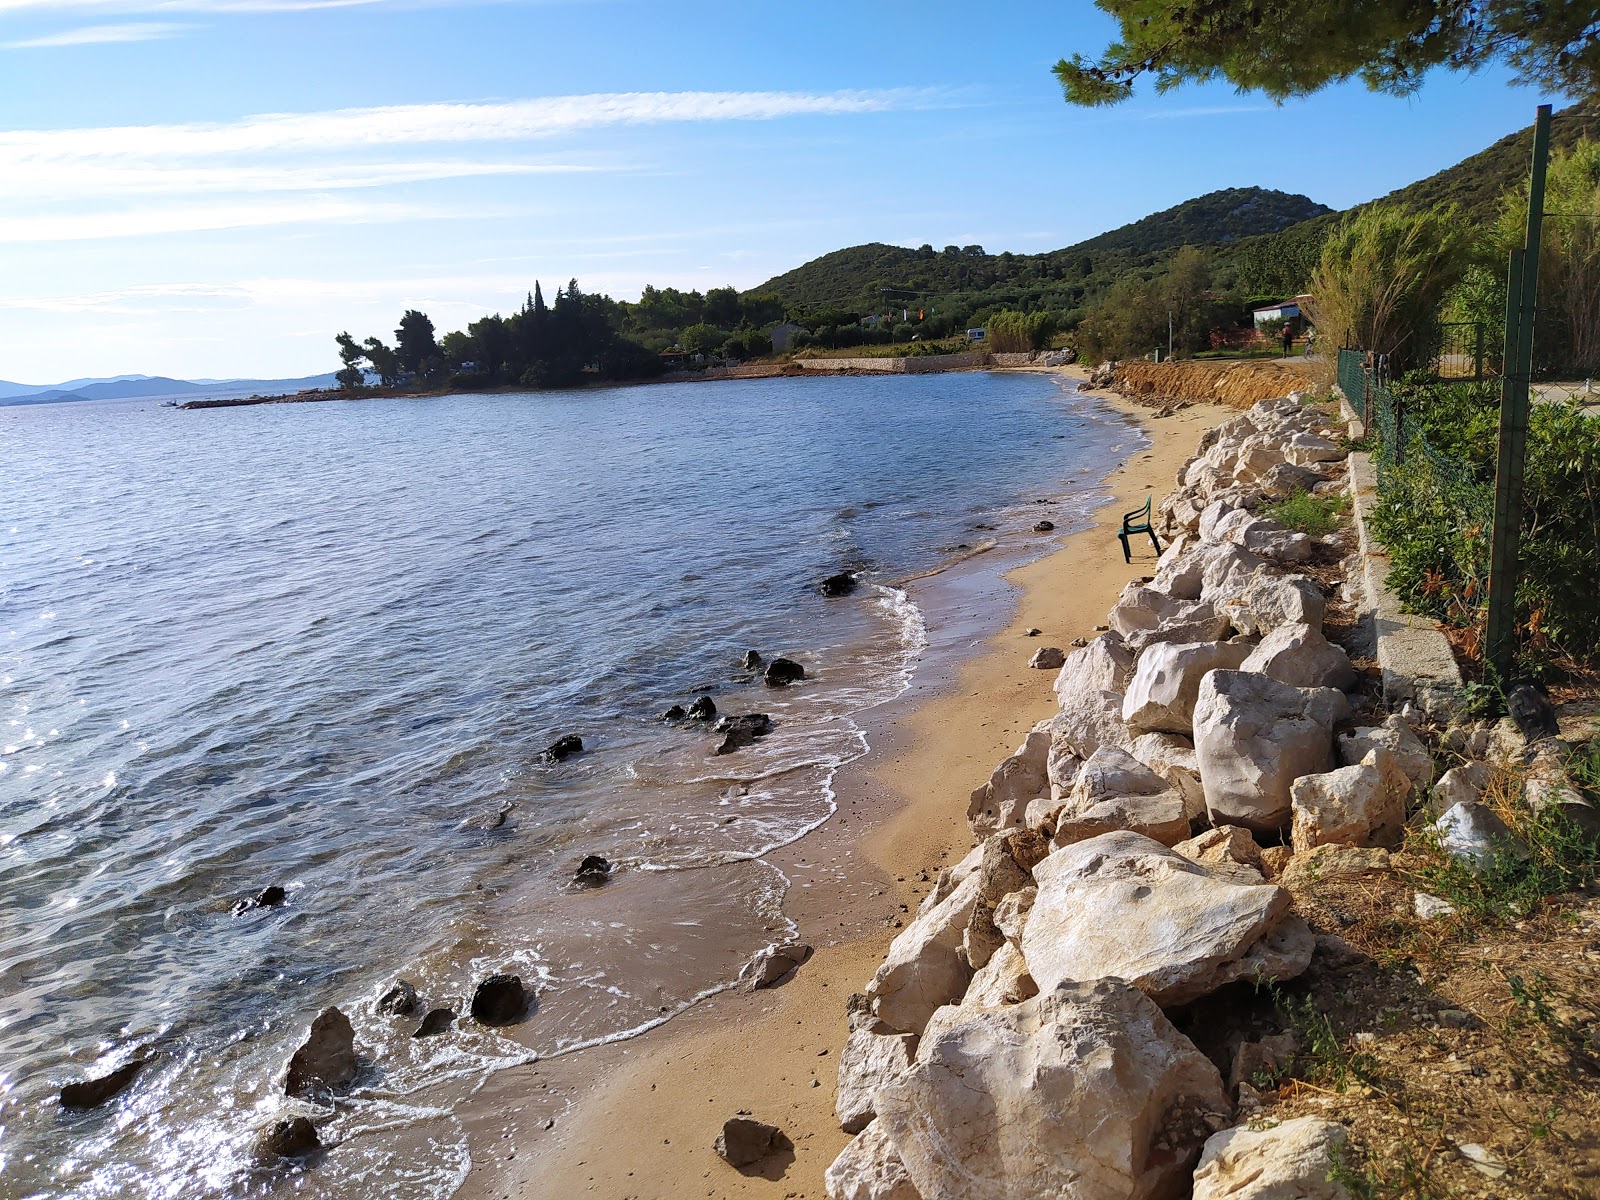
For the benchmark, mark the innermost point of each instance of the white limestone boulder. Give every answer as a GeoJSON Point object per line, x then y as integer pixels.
{"type": "Point", "coordinates": [1474, 834]}
{"type": "Point", "coordinates": [1003, 980]}
{"type": "Point", "coordinates": [1363, 805]}
{"type": "Point", "coordinates": [1226, 851]}
{"type": "Point", "coordinates": [1301, 657]}
{"type": "Point", "coordinates": [1196, 622]}
{"type": "Point", "coordinates": [1305, 448]}
{"type": "Point", "coordinates": [869, 1169]}
{"type": "Point", "coordinates": [1085, 1092]}
{"type": "Point", "coordinates": [1141, 609]}
{"type": "Point", "coordinates": [1285, 479]}
{"type": "Point", "coordinates": [1124, 905]}
{"type": "Point", "coordinates": [1395, 736]}
{"type": "Point", "coordinates": [925, 967]}
{"type": "Point", "coordinates": [1227, 571]}
{"type": "Point", "coordinates": [1087, 721]}
{"type": "Point", "coordinates": [1002, 802]}
{"type": "Point", "coordinates": [1253, 737]}
{"type": "Point", "coordinates": [1100, 666]}
{"type": "Point", "coordinates": [1007, 858]}
{"type": "Point", "coordinates": [1113, 771]}
{"type": "Point", "coordinates": [1273, 601]}
{"type": "Point", "coordinates": [1166, 680]}
{"type": "Point", "coordinates": [867, 1061]}
{"type": "Point", "coordinates": [1330, 863]}
{"type": "Point", "coordinates": [1458, 785]}
{"type": "Point", "coordinates": [1171, 756]}
{"type": "Point", "coordinates": [1011, 914]}
{"type": "Point", "coordinates": [1288, 1160]}
{"type": "Point", "coordinates": [1177, 570]}
{"type": "Point", "coordinates": [1162, 817]}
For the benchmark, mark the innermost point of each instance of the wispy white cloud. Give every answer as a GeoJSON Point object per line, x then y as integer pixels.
{"type": "Point", "coordinates": [184, 6]}
{"type": "Point", "coordinates": [76, 184]}
{"type": "Point", "coordinates": [94, 35]}
{"type": "Point", "coordinates": [411, 124]}
{"type": "Point", "coordinates": [104, 179]}
{"type": "Point", "coordinates": [91, 226]}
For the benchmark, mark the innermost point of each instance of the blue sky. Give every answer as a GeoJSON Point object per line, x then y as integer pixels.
{"type": "Point", "coordinates": [215, 187]}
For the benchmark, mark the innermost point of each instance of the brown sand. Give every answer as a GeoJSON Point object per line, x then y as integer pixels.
{"type": "Point", "coordinates": [642, 1115]}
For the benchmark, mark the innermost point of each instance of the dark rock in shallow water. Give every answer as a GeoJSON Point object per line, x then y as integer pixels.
{"type": "Point", "coordinates": [675, 713]}
{"type": "Point", "coordinates": [293, 1137]}
{"type": "Point", "coordinates": [772, 965]}
{"type": "Point", "coordinates": [487, 822]}
{"type": "Point", "coordinates": [92, 1093]}
{"type": "Point", "coordinates": [436, 1021]}
{"type": "Point", "coordinates": [702, 709]}
{"type": "Point", "coordinates": [1531, 710]}
{"type": "Point", "coordinates": [1043, 526]}
{"type": "Point", "coordinates": [327, 1061]}
{"type": "Point", "coordinates": [563, 747]}
{"type": "Point", "coordinates": [267, 897]}
{"type": "Point", "coordinates": [841, 584]}
{"type": "Point", "coordinates": [744, 1141]}
{"type": "Point", "coordinates": [499, 1000]}
{"type": "Point", "coordinates": [398, 1000]}
{"type": "Point", "coordinates": [781, 672]}
{"type": "Point", "coordinates": [740, 731]}
{"type": "Point", "coordinates": [592, 871]}
{"type": "Point", "coordinates": [751, 661]}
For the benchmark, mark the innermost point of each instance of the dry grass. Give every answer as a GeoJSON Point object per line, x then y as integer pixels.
{"type": "Point", "coordinates": [1238, 384]}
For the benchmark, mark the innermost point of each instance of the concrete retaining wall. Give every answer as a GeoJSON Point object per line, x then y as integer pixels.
{"type": "Point", "coordinates": [922, 365]}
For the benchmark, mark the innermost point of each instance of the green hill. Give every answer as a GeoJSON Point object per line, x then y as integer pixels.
{"type": "Point", "coordinates": [875, 274]}
{"type": "Point", "coordinates": [1281, 263]}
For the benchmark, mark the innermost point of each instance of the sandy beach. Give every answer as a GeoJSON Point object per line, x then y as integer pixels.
{"type": "Point", "coordinates": [637, 1119]}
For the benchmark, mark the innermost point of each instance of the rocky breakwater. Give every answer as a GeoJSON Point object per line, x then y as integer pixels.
{"type": "Point", "coordinates": [1022, 1038]}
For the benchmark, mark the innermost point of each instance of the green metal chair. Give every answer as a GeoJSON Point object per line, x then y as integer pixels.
{"type": "Point", "coordinates": [1136, 522]}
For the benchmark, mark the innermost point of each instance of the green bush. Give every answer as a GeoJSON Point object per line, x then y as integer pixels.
{"type": "Point", "coordinates": [1433, 516]}
{"type": "Point", "coordinates": [1305, 513]}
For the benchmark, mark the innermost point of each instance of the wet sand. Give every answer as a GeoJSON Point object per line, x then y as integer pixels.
{"type": "Point", "coordinates": [637, 1119]}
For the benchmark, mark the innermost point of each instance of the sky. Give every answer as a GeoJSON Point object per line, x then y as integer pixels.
{"type": "Point", "coordinates": [214, 188]}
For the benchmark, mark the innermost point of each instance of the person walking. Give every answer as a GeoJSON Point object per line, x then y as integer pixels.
{"type": "Point", "coordinates": [1288, 338]}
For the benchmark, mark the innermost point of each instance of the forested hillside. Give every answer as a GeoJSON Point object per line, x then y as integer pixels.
{"type": "Point", "coordinates": [876, 274]}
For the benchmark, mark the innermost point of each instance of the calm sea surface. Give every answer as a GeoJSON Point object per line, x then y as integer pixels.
{"type": "Point", "coordinates": [322, 646]}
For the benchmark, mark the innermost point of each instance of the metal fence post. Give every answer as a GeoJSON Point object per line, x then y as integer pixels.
{"type": "Point", "coordinates": [1522, 288]}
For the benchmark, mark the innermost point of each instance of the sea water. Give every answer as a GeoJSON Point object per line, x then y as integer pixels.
{"type": "Point", "coordinates": [322, 646]}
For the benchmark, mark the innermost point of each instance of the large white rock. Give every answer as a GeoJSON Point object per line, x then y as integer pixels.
{"type": "Point", "coordinates": [1112, 771]}
{"type": "Point", "coordinates": [1002, 802]}
{"type": "Point", "coordinates": [1306, 448]}
{"type": "Point", "coordinates": [1007, 858]}
{"type": "Point", "coordinates": [1463, 784]}
{"type": "Point", "coordinates": [1100, 666]}
{"type": "Point", "coordinates": [1163, 817]}
{"type": "Point", "coordinates": [1199, 622]}
{"type": "Point", "coordinates": [1011, 914]}
{"type": "Point", "coordinates": [1474, 834]}
{"type": "Point", "coordinates": [1272, 601]}
{"type": "Point", "coordinates": [1301, 657]}
{"type": "Point", "coordinates": [1228, 571]}
{"type": "Point", "coordinates": [1395, 736]}
{"type": "Point", "coordinates": [869, 1169]}
{"type": "Point", "coordinates": [1087, 721]}
{"type": "Point", "coordinates": [1227, 851]}
{"type": "Point", "coordinates": [1253, 737]}
{"type": "Point", "coordinates": [868, 1060]}
{"type": "Point", "coordinates": [1289, 1160]}
{"type": "Point", "coordinates": [1140, 609]}
{"type": "Point", "coordinates": [1162, 690]}
{"type": "Point", "coordinates": [1179, 569]}
{"type": "Point", "coordinates": [924, 968]}
{"type": "Point", "coordinates": [1085, 1092]}
{"type": "Point", "coordinates": [1171, 756]}
{"type": "Point", "coordinates": [1122, 904]}
{"type": "Point", "coordinates": [1364, 805]}
{"type": "Point", "coordinates": [1003, 980]}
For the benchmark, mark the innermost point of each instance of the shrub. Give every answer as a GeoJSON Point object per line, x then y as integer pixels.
{"type": "Point", "coordinates": [1305, 513]}
{"type": "Point", "coordinates": [1383, 278]}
